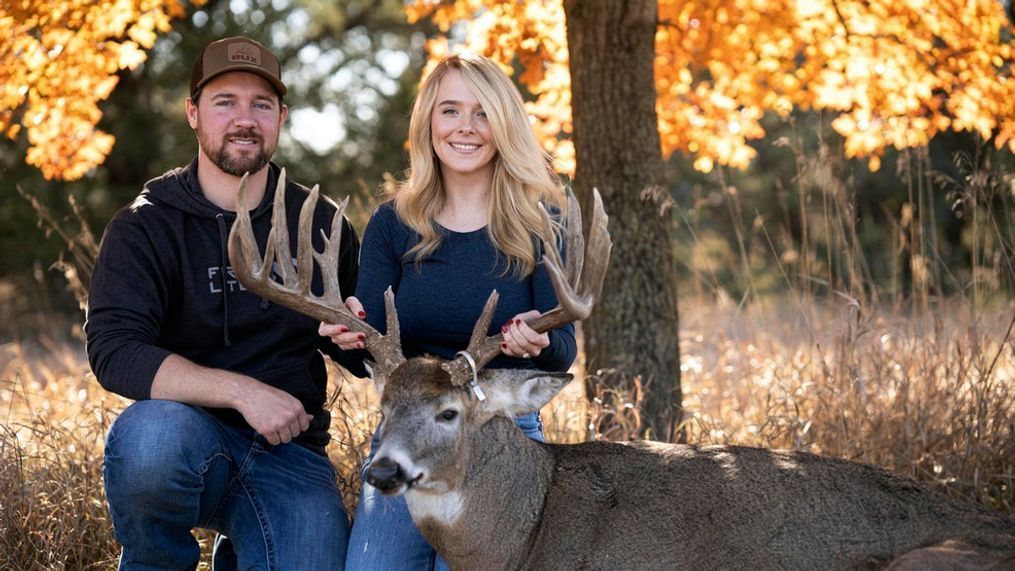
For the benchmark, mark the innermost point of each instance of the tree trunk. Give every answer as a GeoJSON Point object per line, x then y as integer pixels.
{"type": "Point", "coordinates": [633, 332]}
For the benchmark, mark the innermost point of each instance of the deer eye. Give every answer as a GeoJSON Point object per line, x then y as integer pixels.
{"type": "Point", "coordinates": [448, 415]}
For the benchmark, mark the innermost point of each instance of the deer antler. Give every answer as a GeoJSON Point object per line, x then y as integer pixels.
{"type": "Point", "coordinates": [577, 292]}
{"type": "Point", "coordinates": [294, 291]}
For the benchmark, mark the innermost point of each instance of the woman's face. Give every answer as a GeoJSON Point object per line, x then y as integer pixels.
{"type": "Point", "coordinates": [459, 130]}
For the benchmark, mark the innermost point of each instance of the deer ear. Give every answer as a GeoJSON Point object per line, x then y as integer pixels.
{"type": "Point", "coordinates": [375, 375]}
{"type": "Point", "coordinates": [520, 391]}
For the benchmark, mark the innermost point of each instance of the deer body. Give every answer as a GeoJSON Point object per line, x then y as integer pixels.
{"type": "Point", "coordinates": [490, 498]}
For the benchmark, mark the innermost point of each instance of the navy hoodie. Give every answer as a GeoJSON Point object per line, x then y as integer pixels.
{"type": "Point", "coordinates": [159, 288]}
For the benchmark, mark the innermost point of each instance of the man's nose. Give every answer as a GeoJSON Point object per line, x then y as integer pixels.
{"type": "Point", "coordinates": [245, 116]}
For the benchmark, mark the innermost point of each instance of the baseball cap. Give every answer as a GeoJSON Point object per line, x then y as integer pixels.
{"type": "Point", "coordinates": [236, 54]}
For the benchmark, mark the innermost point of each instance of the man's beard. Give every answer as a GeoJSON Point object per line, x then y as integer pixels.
{"type": "Point", "coordinates": [238, 165]}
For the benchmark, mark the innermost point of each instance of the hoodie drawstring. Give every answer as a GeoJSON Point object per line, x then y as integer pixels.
{"type": "Point", "coordinates": [224, 239]}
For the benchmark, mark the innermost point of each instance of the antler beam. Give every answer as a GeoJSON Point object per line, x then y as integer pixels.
{"type": "Point", "coordinates": [577, 291]}
{"type": "Point", "coordinates": [294, 291]}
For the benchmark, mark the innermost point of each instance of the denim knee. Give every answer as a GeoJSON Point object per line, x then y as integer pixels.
{"type": "Point", "coordinates": [153, 441]}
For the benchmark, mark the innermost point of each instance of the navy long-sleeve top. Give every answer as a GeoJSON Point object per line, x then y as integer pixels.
{"type": "Point", "coordinates": [440, 299]}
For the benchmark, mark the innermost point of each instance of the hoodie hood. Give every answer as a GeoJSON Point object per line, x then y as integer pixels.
{"type": "Point", "coordinates": [162, 285]}
{"type": "Point", "coordinates": [180, 189]}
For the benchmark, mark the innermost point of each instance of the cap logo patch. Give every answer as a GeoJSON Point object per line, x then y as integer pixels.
{"type": "Point", "coordinates": [243, 53]}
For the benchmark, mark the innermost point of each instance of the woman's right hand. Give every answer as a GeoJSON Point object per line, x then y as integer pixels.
{"type": "Point", "coordinates": [340, 334]}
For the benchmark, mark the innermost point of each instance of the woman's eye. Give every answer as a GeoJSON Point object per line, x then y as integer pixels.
{"type": "Point", "coordinates": [448, 415]}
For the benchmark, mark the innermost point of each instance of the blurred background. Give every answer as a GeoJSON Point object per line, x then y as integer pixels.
{"type": "Point", "coordinates": [353, 67]}
{"type": "Point", "coordinates": [846, 307]}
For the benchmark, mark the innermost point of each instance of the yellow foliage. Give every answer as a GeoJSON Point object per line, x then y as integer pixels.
{"type": "Point", "coordinates": [897, 71]}
{"type": "Point", "coordinates": [59, 59]}
{"type": "Point", "coordinates": [531, 33]}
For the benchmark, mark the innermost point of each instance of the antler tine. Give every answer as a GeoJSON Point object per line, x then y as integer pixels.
{"type": "Point", "coordinates": [294, 291]}
{"type": "Point", "coordinates": [574, 250]}
{"type": "Point", "coordinates": [332, 294]}
{"type": "Point", "coordinates": [577, 294]}
{"type": "Point", "coordinates": [483, 323]}
{"type": "Point", "coordinates": [387, 348]}
{"type": "Point", "coordinates": [304, 247]}
{"type": "Point", "coordinates": [599, 247]}
{"type": "Point", "coordinates": [482, 348]}
{"type": "Point", "coordinates": [567, 279]}
{"type": "Point", "coordinates": [577, 290]}
{"type": "Point", "coordinates": [245, 253]}
{"type": "Point", "coordinates": [278, 237]}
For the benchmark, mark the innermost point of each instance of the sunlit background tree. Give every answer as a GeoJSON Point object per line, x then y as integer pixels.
{"type": "Point", "coordinates": [830, 184]}
{"type": "Point", "coordinates": [894, 74]}
{"type": "Point", "coordinates": [719, 82]}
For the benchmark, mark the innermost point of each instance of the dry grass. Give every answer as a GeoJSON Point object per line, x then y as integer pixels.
{"type": "Point", "coordinates": [932, 397]}
{"type": "Point", "coordinates": [888, 372]}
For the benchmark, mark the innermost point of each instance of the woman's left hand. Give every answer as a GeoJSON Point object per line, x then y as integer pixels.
{"type": "Point", "coordinates": [520, 340]}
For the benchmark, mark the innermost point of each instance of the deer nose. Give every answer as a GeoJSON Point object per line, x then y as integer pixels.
{"type": "Point", "coordinates": [385, 474]}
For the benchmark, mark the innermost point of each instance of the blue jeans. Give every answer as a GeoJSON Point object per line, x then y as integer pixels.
{"type": "Point", "coordinates": [383, 535]}
{"type": "Point", "coordinates": [171, 467]}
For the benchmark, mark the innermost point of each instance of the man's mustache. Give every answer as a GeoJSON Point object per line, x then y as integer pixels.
{"type": "Point", "coordinates": [246, 134]}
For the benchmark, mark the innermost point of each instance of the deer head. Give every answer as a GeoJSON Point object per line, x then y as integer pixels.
{"type": "Point", "coordinates": [423, 392]}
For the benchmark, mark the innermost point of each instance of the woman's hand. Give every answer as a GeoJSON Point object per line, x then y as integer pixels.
{"type": "Point", "coordinates": [520, 340]}
{"type": "Point", "coordinates": [340, 334]}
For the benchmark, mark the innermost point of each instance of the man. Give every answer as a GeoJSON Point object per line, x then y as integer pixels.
{"type": "Point", "coordinates": [228, 432]}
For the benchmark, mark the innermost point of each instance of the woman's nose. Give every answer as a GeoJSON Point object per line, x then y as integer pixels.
{"type": "Point", "coordinates": [465, 125]}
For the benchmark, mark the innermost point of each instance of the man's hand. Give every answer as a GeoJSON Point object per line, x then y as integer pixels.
{"type": "Point", "coordinates": [275, 414]}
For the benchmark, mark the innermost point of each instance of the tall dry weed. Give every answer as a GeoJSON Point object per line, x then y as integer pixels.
{"type": "Point", "coordinates": [53, 512]}
{"type": "Point", "coordinates": [934, 400]}
{"type": "Point", "coordinates": [841, 364]}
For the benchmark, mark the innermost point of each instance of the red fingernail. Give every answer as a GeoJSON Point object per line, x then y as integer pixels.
{"type": "Point", "coordinates": [503, 345]}
{"type": "Point", "coordinates": [361, 314]}
{"type": "Point", "coordinates": [518, 322]}
{"type": "Point", "coordinates": [503, 328]}
{"type": "Point", "coordinates": [343, 329]}
{"type": "Point", "coordinates": [361, 337]}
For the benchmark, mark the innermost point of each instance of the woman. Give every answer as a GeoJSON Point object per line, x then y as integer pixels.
{"type": "Point", "coordinates": [466, 221]}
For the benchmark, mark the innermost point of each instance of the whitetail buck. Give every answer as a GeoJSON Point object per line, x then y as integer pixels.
{"type": "Point", "coordinates": [487, 497]}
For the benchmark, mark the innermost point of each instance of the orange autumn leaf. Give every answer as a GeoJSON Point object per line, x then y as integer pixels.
{"type": "Point", "coordinates": [60, 59]}
{"type": "Point", "coordinates": [895, 72]}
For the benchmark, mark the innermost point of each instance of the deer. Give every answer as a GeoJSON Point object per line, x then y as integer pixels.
{"type": "Point", "coordinates": [487, 497]}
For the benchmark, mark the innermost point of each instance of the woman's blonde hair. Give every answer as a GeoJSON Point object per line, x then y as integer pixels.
{"type": "Point", "coordinates": [522, 172]}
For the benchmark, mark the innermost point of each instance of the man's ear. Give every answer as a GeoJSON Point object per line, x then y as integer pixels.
{"type": "Point", "coordinates": [516, 392]}
{"type": "Point", "coordinates": [191, 108]}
